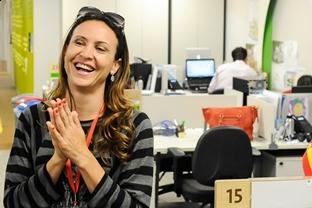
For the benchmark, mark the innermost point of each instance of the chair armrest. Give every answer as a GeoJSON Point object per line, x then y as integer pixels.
{"type": "Point", "coordinates": [176, 152]}
{"type": "Point", "coordinates": [181, 163]}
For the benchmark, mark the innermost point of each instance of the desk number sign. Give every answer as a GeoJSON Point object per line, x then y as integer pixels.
{"type": "Point", "coordinates": [232, 193]}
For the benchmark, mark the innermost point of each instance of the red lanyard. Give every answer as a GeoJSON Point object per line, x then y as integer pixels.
{"type": "Point", "coordinates": [74, 185]}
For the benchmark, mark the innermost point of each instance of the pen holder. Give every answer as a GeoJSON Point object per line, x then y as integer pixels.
{"type": "Point", "coordinates": [180, 131]}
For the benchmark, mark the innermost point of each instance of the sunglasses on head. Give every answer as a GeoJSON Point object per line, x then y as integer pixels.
{"type": "Point", "coordinates": [114, 18]}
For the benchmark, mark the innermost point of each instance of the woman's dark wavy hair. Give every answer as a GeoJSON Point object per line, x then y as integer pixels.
{"type": "Point", "coordinates": [117, 127]}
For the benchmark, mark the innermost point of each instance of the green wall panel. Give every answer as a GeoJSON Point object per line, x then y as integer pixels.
{"type": "Point", "coordinates": [267, 43]}
{"type": "Point", "coordinates": [22, 31]}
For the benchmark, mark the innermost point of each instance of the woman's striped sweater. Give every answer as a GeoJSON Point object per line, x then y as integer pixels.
{"type": "Point", "coordinates": [27, 182]}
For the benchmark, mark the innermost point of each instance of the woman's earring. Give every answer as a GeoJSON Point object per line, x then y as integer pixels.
{"type": "Point", "coordinates": [112, 78]}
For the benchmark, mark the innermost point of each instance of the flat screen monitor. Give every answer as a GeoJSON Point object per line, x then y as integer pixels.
{"type": "Point", "coordinates": [200, 68]}
{"type": "Point", "coordinates": [198, 53]}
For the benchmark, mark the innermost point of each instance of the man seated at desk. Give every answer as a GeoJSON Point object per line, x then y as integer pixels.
{"type": "Point", "coordinates": [225, 72]}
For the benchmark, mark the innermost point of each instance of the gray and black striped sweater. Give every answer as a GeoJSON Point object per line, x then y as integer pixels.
{"type": "Point", "coordinates": [27, 182]}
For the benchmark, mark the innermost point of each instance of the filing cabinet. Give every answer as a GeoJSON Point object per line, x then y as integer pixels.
{"type": "Point", "coordinates": [275, 165]}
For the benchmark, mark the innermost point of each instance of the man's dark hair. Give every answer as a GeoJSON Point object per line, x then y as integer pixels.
{"type": "Point", "coordinates": [239, 53]}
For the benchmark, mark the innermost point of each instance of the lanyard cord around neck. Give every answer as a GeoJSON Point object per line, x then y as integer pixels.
{"type": "Point", "coordinates": [74, 185]}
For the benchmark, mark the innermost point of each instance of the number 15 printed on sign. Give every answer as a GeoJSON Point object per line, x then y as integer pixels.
{"type": "Point", "coordinates": [232, 193]}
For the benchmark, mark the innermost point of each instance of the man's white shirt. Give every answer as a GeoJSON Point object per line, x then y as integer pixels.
{"type": "Point", "coordinates": [223, 78]}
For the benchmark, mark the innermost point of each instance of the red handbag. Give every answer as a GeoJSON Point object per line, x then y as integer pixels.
{"type": "Point", "coordinates": [243, 117]}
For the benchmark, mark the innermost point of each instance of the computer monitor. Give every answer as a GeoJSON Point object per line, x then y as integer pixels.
{"type": "Point", "coordinates": [199, 73]}
{"type": "Point", "coordinates": [198, 53]}
{"type": "Point", "coordinates": [301, 89]}
{"type": "Point", "coordinates": [199, 68]}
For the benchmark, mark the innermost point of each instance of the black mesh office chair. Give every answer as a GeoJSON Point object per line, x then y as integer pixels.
{"type": "Point", "coordinates": [304, 80]}
{"type": "Point", "coordinates": [222, 152]}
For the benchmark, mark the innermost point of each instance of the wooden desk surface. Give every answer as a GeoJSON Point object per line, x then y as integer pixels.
{"type": "Point", "coordinates": [188, 144]}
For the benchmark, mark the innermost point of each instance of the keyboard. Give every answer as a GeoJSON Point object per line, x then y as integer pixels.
{"type": "Point", "coordinates": [198, 83]}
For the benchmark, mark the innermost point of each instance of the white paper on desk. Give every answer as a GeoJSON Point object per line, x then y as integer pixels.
{"type": "Point", "coordinates": [275, 98]}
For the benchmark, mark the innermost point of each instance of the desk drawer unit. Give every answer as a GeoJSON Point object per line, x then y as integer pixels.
{"type": "Point", "coordinates": [275, 166]}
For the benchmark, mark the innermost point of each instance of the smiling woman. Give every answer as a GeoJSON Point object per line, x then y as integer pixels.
{"type": "Point", "coordinates": [90, 55]}
{"type": "Point", "coordinates": [86, 146]}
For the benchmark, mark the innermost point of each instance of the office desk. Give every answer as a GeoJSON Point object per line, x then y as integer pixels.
{"type": "Point", "coordinates": [188, 144]}
{"type": "Point", "coordinates": [186, 107]}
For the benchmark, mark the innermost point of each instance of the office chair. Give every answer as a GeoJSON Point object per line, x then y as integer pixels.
{"type": "Point", "coordinates": [223, 152]}
{"type": "Point", "coordinates": [163, 166]}
{"type": "Point", "coordinates": [304, 80]}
